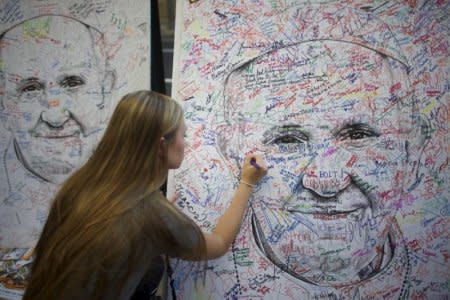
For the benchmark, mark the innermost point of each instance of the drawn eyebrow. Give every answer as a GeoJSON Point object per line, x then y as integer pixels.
{"type": "Point", "coordinates": [290, 132]}
{"type": "Point", "coordinates": [29, 79]}
{"type": "Point", "coordinates": [353, 125]}
{"type": "Point", "coordinates": [361, 128]}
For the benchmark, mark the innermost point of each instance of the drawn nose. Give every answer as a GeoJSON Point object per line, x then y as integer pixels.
{"type": "Point", "coordinates": [325, 175]}
{"type": "Point", "coordinates": [55, 117]}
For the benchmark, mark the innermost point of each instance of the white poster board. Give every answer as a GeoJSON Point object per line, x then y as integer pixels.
{"type": "Point", "coordinates": [63, 66]}
{"type": "Point", "coordinates": [349, 103]}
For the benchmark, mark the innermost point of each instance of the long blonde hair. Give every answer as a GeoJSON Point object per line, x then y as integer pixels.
{"type": "Point", "coordinates": [111, 209]}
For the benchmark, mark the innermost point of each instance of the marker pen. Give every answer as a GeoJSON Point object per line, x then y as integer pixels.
{"type": "Point", "coordinates": [255, 164]}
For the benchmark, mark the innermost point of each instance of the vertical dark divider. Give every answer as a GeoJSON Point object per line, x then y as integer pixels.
{"type": "Point", "coordinates": [157, 65]}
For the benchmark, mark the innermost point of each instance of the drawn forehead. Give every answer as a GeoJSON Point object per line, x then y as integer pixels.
{"type": "Point", "coordinates": [316, 80]}
{"type": "Point", "coordinates": [56, 40]}
{"type": "Point", "coordinates": [354, 107]}
{"type": "Point", "coordinates": [42, 37]}
{"type": "Point", "coordinates": [27, 48]}
{"type": "Point", "coordinates": [23, 54]}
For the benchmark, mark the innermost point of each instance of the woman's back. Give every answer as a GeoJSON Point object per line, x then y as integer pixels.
{"type": "Point", "coordinates": [105, 257]}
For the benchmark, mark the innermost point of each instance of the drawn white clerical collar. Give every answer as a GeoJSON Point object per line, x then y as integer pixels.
{"type": "Point", "coordinates": [393, 268]}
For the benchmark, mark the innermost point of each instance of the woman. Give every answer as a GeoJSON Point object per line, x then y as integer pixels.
{"type": "Point", "coordinates": [109, 222]}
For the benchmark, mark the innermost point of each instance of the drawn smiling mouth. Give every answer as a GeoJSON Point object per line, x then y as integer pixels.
{"type": "Point", "coordinates": [323, 211]}
{"type": "Point", "coordinates": [68, 129]}
{"type": "Point", "coordinates": [328, 213]}
{"type": "Point", "coordinates": [335, 207]}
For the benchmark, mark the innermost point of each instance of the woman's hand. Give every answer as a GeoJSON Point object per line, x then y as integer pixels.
{"type": "Point", "coordinates": [253, 169]}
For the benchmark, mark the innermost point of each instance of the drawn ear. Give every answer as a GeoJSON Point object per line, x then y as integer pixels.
{"type": "Point", "coordinates": [221, 143]}
{"type": "Point", "coordinates": [107, 86]}
{"type": "Point", "coordinates": [227, 148]}
{"type": "Point", "coordinates": [2, 94]}
{"type": "Point", "coordinates": [415, 144]}
{"type": "Point", "coordinates": [109, 81]}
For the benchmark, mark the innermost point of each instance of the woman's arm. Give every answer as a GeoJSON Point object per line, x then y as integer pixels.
{"type": "Point", "coordinates": [218, 242]}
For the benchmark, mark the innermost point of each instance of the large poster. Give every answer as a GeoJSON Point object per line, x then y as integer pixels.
{"type": "Point", "coordinates": [348, 101]}
{"type": "Point", "coordinates": [63, 66]}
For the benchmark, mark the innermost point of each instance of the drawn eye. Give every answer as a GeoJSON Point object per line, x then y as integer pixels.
{"type": "Point", "coordinates": [31, 85]}
{"type": "Point", "coordinates": [71, 82]}
{"type": "Point", "coordinates": [357, 132]}
{"type": "Point", "coordinates": [288, 139]}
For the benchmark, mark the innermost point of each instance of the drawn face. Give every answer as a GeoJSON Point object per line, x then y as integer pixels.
{"type": "Point", "coordinates": [176, 147]}
{"type": "Point", "coordinates": [325, 115]}
{"type": "Point", "coordinates": [53, 93]}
